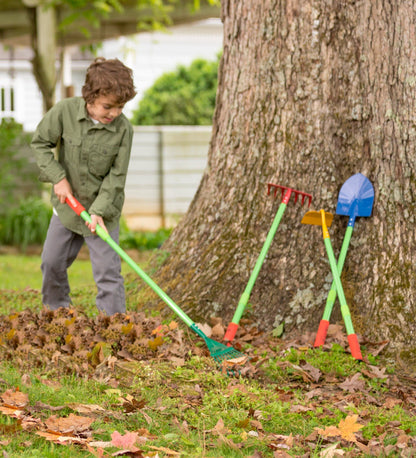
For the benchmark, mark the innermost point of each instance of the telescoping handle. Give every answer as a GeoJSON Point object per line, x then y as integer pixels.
{"type": "Point", "coordinates": [80, 210]}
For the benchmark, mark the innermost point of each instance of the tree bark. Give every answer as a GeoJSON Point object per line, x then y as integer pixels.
{"type": "Point", "coordinates": [43, 43]}
{"type": "Point", "coordinates": [310, 93]}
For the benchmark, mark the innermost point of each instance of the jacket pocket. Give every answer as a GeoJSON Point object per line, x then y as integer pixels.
{"type": "Point", "coordinates": [101, 159]}
{"type": "Point", "coordinates": [70, 149]}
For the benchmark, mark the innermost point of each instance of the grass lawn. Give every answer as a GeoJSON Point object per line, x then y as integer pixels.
{"type": "Point", "coordinates": [74, 384]}
{"type": "Point", "coordinates": [20, 272]}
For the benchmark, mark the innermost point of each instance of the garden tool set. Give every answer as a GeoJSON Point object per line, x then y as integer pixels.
{"type": "Point", "coordinates": [218, 351]}
{"type": "Point", "coordinates": [324, 219]}
{"type": "Point", "coordinates": [286, 194]}
{"type": "Point", "coordinates": [355, 198]}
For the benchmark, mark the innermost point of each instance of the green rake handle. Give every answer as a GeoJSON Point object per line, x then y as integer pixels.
{"type": "Point", "coordinates": [242, 304]}
{"type": "Point", "coordinates": [80, 210]}
{"type": "Point", "coordinates": [345, 311]}
{"type": "Point", "coordinates": [330, 301]}
{"type": "Point", "coordinates": [233, 326]}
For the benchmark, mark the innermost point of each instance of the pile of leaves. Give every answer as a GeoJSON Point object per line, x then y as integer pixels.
{"type": "Point", "coordinates": [108, 349]}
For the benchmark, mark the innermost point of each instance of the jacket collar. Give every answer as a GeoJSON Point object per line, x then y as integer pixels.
{"type": "Point", "coordinates": [83, 115]}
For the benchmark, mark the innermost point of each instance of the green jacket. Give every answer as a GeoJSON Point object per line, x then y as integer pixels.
{"type": "Point", "coordinates": [93, 157]}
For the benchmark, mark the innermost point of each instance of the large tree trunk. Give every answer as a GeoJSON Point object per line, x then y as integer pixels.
{"type": "Point", "coordinates": [310, 93]}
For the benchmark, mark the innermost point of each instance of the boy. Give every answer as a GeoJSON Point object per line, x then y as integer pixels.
{"type": "Point", "coordinates": [93, 140]}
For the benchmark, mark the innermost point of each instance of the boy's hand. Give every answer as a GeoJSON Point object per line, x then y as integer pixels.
{"type": "Point", "coordinates": [96, 220]}
{"type": "Point", "coordinates": [63, 191]}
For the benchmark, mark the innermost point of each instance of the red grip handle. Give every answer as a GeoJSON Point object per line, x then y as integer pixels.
{"type": "Point", "coordinates": [231, 332]}
{"type": "Point", "coordinates": [321, 334]}
{"type": "Point", "coordinates": [77, 207]}
{"type": "Point", "coordinates": [355, 346]}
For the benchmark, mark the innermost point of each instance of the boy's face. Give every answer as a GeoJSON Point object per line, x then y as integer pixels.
{"type": "Point", "coordinates": [104, 109]}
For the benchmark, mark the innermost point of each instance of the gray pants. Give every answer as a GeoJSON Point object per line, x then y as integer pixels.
{"type": "Point", "coordinates": [60, 249]}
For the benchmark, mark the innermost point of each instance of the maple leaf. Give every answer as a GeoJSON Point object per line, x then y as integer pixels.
{"type": "Point", "coordinates": [348, 427]}
{"type": "Point", "coordinates": [173, 325]}
{"type": "Point", "coordinates": [73, 424]}
{"type": "Point", "coordinates": [125, 441]}
{"type": "Point", "coordinates": [329, 431]}
{"type": "Point", "coordinates": [15, 399]}
{"type": "Point", "coordinates": [156, 342]}
{"type": "Point", "coordinates": [354, 383]}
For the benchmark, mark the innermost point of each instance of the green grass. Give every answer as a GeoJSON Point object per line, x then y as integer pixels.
{"type": "Point", "coordinates": [192, 408]}
{"type": "Point", "coordinates": [20, 272]}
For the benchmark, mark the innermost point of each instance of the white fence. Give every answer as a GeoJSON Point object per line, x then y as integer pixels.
{"type": "Point", "coordinates": [166, 166]}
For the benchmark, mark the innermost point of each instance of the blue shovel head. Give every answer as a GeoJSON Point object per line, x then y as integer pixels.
{"type": "Point", "coordinates": [356, 197]}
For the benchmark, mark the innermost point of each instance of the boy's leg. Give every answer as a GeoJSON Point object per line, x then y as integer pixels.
{"type": "Point", "coordinates": [59, 252]}
{"type": "Point", "coordinates": [106, 268]}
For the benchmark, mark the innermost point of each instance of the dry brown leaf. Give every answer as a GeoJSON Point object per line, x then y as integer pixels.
{"type": "Point", "coordinates": [85, 408]}
{"type": "Point", "coordinates": [219, 428]}
{"type": "Point", "coordinates": [73, 424]}
{"type": "Point", "coordinates": [205, 328]}
{"type": "Point", "coordinates": [155, 343]}
{"type": "Point", "coordinates": [354, 383]}
{"type": "Point", "coordinates": [336, 332]}
{"type": "Point", "coordinates": [15, 399]}
{"type": "Point", "coordinates": [62, 439]}
{"type": "Point", "coordinates": [11, 412]}
{"type": "Point", "coordinates": [348, 427]}
{"type": "Point", "coordinates": [390, 402]}
{"type": "Point", "coordinates": [329, 431]}
{"type": "Point", "coordinates": [168, 451]}
{"type": "Point", "coordinates": [331, 451]}
{"type": "Point", "coordinates": [240, 361]}
{"type": "Point", "coordinates": [173, 325]}
{"type": "Point", "coordinates": [125, 441]}
{"type": "Point", "coordinates": [218, 330]}
{"type": "Point", "coordinates": [314, 372]}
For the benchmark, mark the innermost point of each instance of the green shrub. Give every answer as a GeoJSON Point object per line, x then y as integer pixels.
{"type": "Point", "coordinates": [182, 97]}
{"type": "Point", "coordinates": [18, 174]}
{"type": "Point", "coordinates": [141, 240]}
{"type": "Point", "coordinates": [25, 224]}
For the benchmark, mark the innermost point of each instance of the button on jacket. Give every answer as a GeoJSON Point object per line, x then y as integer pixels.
{"type": "Point", "coordinates": [93, 157]}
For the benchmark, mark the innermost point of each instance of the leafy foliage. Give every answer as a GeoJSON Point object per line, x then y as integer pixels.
{"type": "Point", "coordinates": [141, 240]}
{"type": "Point", "coordinates": [18, 176]}
{"type": "Point", "coordinates": [25, 224]}
{"type": "Point", "coordinates": [155, 14]}
{"type": "Point", "coordinates": [185, 96]}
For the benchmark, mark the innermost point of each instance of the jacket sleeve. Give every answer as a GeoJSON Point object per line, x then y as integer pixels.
{"type": "Point", "coordinates": [45, 139]}
{"type": "Point", "coordinates": [110, 198]}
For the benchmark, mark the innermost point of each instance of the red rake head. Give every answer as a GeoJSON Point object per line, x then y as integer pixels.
{"type": "Point", "coordinates": [287, 192]}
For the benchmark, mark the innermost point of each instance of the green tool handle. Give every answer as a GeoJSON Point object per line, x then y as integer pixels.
{"type": "Point", "coordinates": [80, 210]}
{"type": "Point", "coordinates": [338, 285]}
{"type": "Point", "coordinates": [340, 265]}
{"type": "Point", "coordinates": [345, 311]}
{"type": "Point", "coordinates": [260, 260]}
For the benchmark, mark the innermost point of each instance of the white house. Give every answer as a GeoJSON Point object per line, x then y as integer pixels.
{"type": "Point", "coordinates": [166, 163]}
{"type": "Point", "coordinates": [149, 54]}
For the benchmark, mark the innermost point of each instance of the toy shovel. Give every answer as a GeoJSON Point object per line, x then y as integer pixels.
{"type": "Point", "coordinates": [325, 219]}
{"type": "Point", "coordinates": [355, 198]}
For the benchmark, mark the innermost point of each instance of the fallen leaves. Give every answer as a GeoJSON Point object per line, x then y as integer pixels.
{"type": "Point", "coordinates": [346, 429]}
{"type": "Point", "coordinates": [71, 429]}
{"type": "Point", "coordinates": [123, 347]}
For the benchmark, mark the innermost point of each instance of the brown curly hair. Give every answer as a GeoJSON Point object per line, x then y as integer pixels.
{"type": "Point", "coordinates": [108, 77]}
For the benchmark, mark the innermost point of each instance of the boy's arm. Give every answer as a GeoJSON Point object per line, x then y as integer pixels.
{"type": "Point", "coordinates": [45, 138]}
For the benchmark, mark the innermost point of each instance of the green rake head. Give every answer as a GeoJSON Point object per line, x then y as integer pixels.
{"type": "Point", "coordinates": [228, 358]}
{"type": "Point", "coordinates": [221, 352]}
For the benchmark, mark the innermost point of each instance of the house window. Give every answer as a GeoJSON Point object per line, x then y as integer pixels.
{"type": "Point", "coordinates": [7, 108]}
